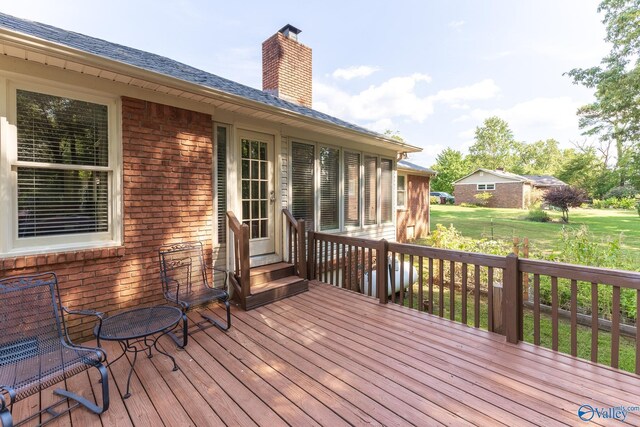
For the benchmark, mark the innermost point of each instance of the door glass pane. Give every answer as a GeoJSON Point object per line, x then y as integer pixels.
{"type": "Point", "coordinates": [255, 205]}
{"type": "Point", "coordinates": [370, 189]}
{"type": "Point", "coordinates": [352, 189]}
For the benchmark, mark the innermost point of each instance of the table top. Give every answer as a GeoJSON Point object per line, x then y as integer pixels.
{"type": "Point", "coordinates": [138, 323]}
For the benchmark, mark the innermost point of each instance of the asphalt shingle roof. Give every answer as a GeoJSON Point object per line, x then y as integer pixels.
{"type": "Point", "coordinates": [403, 164]}
{"type": "Point", "coordinates": [544, 180]}
{"type": "Point", "coordinates": [163, 65]}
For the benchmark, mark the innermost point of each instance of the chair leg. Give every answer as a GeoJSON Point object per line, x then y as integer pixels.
{"type": "Point", "coordinates": [218, 324]}
{"type": "Point", "coordinates": [185, 330]}
{"type": "Point", "coordinates": [93, 407]}
{"type": "Point", "coordinates": [6, 418]}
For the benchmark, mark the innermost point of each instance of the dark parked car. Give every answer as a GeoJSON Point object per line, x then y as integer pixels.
{"type": "Point", "coordinates": [444, 197]}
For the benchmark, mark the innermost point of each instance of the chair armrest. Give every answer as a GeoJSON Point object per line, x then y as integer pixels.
{"type": "Point", "coordinates": [99, 350]}
{"type": "Point", "coordinates": [226, 275]}
{"type": "Point", "coordinates": [98, 314]}
{"type": "Point", "coordinates": [5, 391]}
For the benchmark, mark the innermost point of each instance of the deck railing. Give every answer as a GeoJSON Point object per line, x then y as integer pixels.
{"type": "Point", "coordinates": [295, 243]}
{"type": "Point", "coordinates": [240, 277]}
{"type": "Point", "coordinates": [489, 291]}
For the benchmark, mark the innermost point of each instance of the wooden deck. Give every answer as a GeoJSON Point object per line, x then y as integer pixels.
{"type": "Point", "coordinates": [333, 357]}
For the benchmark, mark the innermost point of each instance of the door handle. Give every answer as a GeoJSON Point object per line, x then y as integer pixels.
{"type": "Point", "coordinates": [272, 196]}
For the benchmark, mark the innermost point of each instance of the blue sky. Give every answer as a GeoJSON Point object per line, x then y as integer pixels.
{"type": "Point", "coordinates": [431, 70]}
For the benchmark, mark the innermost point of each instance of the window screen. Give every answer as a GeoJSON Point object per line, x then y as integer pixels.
{"type": "Point", "coordinates": [329, 188]}
{"type": "Point", "coordinates": [402, 190]}
{"type": "Point", "coordinates": [67, 189]}
{"type": "Point", "coordinates": [351, 189]}
{"type": "Point", "coordinates": [386, 190]}
{"type": "Point", "coordinates": [221, 175]}
{"type": "Point", "coordinates": [370, 189]}
{"type": "Point", "coordinates": [302, 182]}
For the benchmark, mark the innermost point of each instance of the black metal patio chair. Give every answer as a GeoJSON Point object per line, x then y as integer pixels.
{"type": "Point", "coordinates": [184, 282]}
{"type": "Point", "coordinates": [36, 351]}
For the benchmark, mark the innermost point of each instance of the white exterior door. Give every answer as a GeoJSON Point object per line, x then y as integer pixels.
{"type": "Point", "coordinates": [257, 190]}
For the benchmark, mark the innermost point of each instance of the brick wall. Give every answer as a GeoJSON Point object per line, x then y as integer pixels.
{"type": "Point", "coordinates": [506, 195]}
{"type": "Point", "coordinates": [167, 197]}
{"type": "Point", "coordinates": [417, 209]}
{"type": "Point", "coordinates": [286, 69]}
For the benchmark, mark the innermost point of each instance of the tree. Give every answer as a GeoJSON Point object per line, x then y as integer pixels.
{"type": "Point", "coordinates": [494, 146]}
{"type": "Point", "coordinates": [451, 166]}
{"type": "Point", "coordinates": [564, 198]}
{"type": "Point", "coordinates": [615, 115]}
{"type": "Point", "coordinates": [538, 158]}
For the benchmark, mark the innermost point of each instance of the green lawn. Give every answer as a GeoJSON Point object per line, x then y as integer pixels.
{"type": "Point", "coordinates": [504, 224]}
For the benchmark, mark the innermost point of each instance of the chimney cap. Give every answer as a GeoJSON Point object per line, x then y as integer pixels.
{"type": "Point", "coordinates": [289, 30]}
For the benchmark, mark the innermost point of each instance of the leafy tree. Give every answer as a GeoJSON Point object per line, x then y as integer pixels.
{"type": "Point", "coordinates": [494, 146]}
{"type": "Point", "coordinates": [583, 168]}
{"type": "Point", "coordinates": [564, 198]}
{"type": "Point", "coordinates": [615, 115]}
{"type": "Point", "coordinates": [451, 166]}
{"type": "Point", "coordinates": [538, 158]}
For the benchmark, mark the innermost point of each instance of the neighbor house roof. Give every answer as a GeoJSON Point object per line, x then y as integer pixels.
{"type": "Point", "coordinates": [498, 173]}
{"type": "Point", "coordinates": [545, 180]}
{"type": "Point", "coordinates": [416, 169]}
{"type": "Point", "coordinates": [161, 65]}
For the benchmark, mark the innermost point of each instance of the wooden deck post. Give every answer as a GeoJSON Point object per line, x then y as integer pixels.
{"type": "Point", "coordinates": [311, 255]}
{"type": "Point", "coordinates": [382, 268]}
{"type": "Point", "coordinates": [245, 276]}
{"type": "Point", "coordinates": [512, 300]}
{"type": "Point", "coordinates": [302, 258]}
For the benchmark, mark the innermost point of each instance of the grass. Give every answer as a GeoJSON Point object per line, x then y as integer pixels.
{"type": "Point", "coordinates": [504, 224]}
{"type": "Point", "coordinates": [627, 345]}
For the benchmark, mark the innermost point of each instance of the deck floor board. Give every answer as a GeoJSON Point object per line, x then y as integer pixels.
{"type": "Point", "coordinates": [333, 357]}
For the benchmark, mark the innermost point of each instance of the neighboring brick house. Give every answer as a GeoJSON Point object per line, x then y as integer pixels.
{"type": "Point", "coordinates": [508, 190]}
{"type": "Point", "coordinates": [108, 152]}
{"type": "Point", "coordinates": [413, 209]}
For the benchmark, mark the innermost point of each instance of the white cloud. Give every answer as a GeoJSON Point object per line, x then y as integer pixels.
{"type": "Point", "coordinates": [456, 24]}
{"type": "Point", "coordinates": [354, 72]}
{"type": "Point", "coordinates": [485, 89]}
{"type": "Point", "coordinates": [396, 98]}
{"type": "Point", "coordinates": [535, 119]}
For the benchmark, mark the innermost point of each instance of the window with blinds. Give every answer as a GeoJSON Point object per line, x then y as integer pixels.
{"type": "Point", "coordinates": [303, 182]}
{"type": "Point", "coordinates": [64, 188]}
{"type": "Point", "coordinates": [329, 188]}
{"type": "Point", "coordinates": [386, 190]}
{"type": "Point", "coordinates": [351, 189]}
{"type": "Point", "coordinates": [370, 189]}
{"type": "Point", "coordinates": [221, 176]}
{"type": "Point", "coordinates": [401, 192]}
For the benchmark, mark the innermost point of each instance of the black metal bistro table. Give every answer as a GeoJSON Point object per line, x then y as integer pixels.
{"type": "Point", "coordinates": [138, 330]}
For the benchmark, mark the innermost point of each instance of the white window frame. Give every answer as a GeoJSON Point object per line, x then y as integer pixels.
{"type": "Point", "coordinates": [10, 243]}
{"type": "Point", "coordinates": [406, 183]}
{"type": "Point", "coordinates": [486, 187]}
{"type": "Point", "coordinates": [341, 220]}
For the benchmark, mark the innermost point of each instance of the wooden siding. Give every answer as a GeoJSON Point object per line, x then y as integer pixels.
{"type": "Point", "coordinates": [333, 357]}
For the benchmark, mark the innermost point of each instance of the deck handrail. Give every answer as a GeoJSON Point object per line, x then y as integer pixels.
{"type": "Point", "coordinates": [502, 283]}
{"type": "Point", "coordinates": [296, 243]}
{"type": "Point", "coordinates": [241, 274]}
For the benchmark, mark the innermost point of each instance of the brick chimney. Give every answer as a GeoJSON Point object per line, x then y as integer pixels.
{"type": "Point", "coordinates": [286, 67]}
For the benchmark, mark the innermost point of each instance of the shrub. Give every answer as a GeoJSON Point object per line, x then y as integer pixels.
{"type": "Point", "coordinates": [622, 192]}
{"type": "Point", "coordinates": [482, 199]}
{"type": "Point", "coordinates": [614, 203]}
{"type": "Point", "coordinates": [434, 200]}
{"type": "Point", "coordinates": [468, 205]}
{"type": "Point", "coordinates": [538, 215]}
{"type": "Point", "coordinates": [564, 198]}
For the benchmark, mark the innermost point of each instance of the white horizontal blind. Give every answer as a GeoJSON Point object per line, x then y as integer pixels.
{"type": "Point", "coordinates": [60, 131]}
{"type": "Point", "coordinates": [351, 189]}
{"type": "Point", "coordinates": [370, 189]}
{"type": "Point", "coordinates": [302, 182]}
{"type": "Point", "coordinates": [329, 188]}
{"type": "Point", "coordinates": [386, 190]}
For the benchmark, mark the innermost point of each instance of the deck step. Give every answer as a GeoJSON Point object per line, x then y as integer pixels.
{"type": "Point", "coordinates": [274, 290]}
{"type": "Point", "coordinates": [270, 272]}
